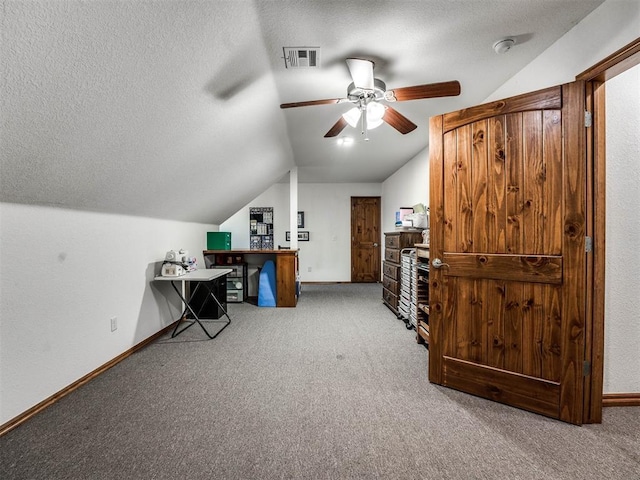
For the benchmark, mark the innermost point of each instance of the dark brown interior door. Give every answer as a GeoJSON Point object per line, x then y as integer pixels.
{"type": "Point", "coordinates": [508, 226]}
{"type": "Point", "coordinates": [365, 239]}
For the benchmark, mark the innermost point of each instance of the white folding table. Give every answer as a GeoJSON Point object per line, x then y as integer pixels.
{"type": "Point", "coordinates": [205, 279]}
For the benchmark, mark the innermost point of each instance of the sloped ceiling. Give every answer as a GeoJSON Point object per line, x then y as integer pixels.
{"type": "Point", "coordinates": [171, 109]}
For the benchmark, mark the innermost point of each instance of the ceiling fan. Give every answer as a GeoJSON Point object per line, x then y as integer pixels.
{"type": "Point", "coordinates": [366, 94]}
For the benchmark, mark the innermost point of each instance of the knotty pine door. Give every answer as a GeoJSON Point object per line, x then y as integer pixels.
{"type": "Point", "coordinates": [507, 201]}
{"type": "Point", "coordinates": [365, 239]}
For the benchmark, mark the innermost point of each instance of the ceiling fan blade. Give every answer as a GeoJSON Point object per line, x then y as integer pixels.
{"type": "Point", "coordinates": [398, 121]}
{"type": "Point", "coordinates": [430, 90]}
{"type": "Point", "coordinates": [337, 128]}
{"type": "Point", "coordinates": [310, 103]}
{"type": "Point", "coordinates": [361, 72]}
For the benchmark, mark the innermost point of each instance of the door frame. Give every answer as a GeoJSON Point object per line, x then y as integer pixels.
{"type": "Point", "coordinates": [595, 78]}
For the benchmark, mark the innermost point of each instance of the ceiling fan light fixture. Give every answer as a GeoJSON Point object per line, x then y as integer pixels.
{"type": "Point", "coordinates": [352, 117]}
{"type": "Point", "coordinates": [371, 124]}
{"type": "Point", "coordinates": [365, 94]}
{"type": "Point", "coordinates": [375, 112]}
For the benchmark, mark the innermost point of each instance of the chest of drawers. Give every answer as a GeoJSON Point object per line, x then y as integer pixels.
{"type": "Point", "coordinates": [394, 242]}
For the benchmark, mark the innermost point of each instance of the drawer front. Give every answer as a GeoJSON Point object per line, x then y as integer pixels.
{"type": "Point", "coordinates": [408, 240]}
{"type": "Point", "coordinates": [392, 255]}
{"type": "Point", "coordinates": [390, 298]}
{"type": "Point", "coordinates": [391, 271]}
{"type": "Point", "coordinates": [392, 241]}
{"type": "Point", "coordinates": [390, 284]}
{"type": "Point", "coordinates": [422, 252]}
{"type": "Point", "coordinates": [235, 296]}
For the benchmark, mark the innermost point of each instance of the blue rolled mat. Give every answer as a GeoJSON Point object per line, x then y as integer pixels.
{"type": "Point", "coordinates": [267, 285]}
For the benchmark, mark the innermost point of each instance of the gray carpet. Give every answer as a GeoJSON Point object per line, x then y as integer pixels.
{"type": "Point", "coordinates": [333, 389]}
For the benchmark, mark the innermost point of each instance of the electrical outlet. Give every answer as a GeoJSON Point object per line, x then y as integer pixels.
{"type": "Point", "coordinates": [114, 324]}
{"type": "Point", "coordinates": [308, 269]}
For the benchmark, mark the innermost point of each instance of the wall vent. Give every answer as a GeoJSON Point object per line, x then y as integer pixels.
{"type": "Point", "coordinates": [301, 57]}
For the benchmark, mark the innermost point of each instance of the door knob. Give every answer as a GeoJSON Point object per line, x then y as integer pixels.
{"type": "Point", "coordinates": [437, 263]}
{"type": "Point", "coordinates": [375, 244]}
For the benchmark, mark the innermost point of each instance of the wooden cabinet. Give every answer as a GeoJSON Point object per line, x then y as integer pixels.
{"type": "Point", "coordinates": [394, 242]}
{"type": "Point", "coordinates": [422, 293]}
{"type": "Point", "coordinates": [286, 263]}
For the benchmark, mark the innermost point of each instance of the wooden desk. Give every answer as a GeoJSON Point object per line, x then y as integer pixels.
{"type": "Point", "coordinates": [286, 262]}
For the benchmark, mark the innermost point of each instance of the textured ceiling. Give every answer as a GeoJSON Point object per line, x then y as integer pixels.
{"type": "Point", "coordinates": [171, 109]}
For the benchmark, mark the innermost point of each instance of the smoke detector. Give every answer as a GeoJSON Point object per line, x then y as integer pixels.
{"type": "Point", "coordinates": [504, 45]}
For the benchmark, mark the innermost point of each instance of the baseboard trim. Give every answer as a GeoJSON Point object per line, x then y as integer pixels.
{"type": "Point", "coordinates": [334, 283]}
{"type": "Point", "coordinates": [23, 417]}
{"type": "Point", "coordinates": [621, 400]}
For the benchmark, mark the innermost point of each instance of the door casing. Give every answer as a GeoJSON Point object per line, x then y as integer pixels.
{"type": "Point", "coordinates": [595, 79]}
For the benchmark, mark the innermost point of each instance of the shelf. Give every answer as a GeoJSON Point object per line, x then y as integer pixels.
{"type": "Point", "coordinates": [422, 296]}
{"type": "Point", "coordinates": [422, 332]}
{"type": "Point", "coordinates": [422, 250]}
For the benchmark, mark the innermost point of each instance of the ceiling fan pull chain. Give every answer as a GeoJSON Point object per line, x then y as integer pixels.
{"type": "Point", "coordinates": [364, 125]}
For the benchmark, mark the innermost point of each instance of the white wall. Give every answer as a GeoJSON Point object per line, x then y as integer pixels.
{"type": "Point", "coordinates": [277, 196]}
{"type": "Point", "coordinates": [405, 188]}
{"type": "Point", "coordinates": [327, 210]}
{"type": "Point", "coordinates": [65, 273]}
{"type": "Point", "coordinates": [622, 284]}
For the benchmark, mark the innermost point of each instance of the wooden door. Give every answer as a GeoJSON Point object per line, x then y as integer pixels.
{"type": "Point", "coordinates": [365, 239]}
{"type": "Point", "coordinates": [507, 205]}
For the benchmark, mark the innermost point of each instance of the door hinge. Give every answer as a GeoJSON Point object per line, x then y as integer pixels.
{"type": "Point", "coordinates": [588, 244]}
{"type": "Point", "coordinates": [586, 368]}
{"type": "Point", "coordinates": [588, 119]}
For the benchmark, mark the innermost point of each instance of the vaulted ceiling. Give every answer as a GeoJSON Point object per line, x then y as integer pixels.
{"type": "Point", "coordinates": [171, 109]}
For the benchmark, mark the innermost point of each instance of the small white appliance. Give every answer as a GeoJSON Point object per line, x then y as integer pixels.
{"type": "Point", "coordinates": [172, 270]}
{"type": "Point", "coordinates": [180, 256]}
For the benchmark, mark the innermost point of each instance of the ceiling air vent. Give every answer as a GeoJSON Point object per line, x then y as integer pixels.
{"type": "Point", "coordinates": [301, 57]}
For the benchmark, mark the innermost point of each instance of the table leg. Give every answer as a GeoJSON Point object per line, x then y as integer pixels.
{"type": "Point", "coordinates": [210, 286]}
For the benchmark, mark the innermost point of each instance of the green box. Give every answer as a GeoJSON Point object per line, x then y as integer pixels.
{"type": "Point", "coordinates": [218, 240]}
